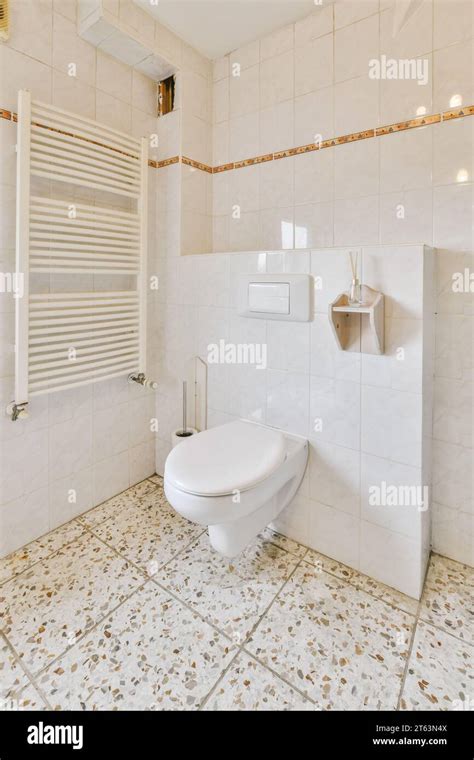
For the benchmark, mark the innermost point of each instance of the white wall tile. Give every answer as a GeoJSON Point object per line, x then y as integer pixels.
{"type": "Point", "coordinates": [415, 36]}
{"type": "Point", "coordinates": [391, 424]}
{"type": "Point", "coordinates": [452, 22]}
{"type": "Point", "coordinates": [452, 213]}
{"type": "Point", "coordinates": [405, 518]}
{"type": "Point", "coordinates": [356, 105]}
{"type": "Point", "coordinates": [69, 48]}
{"type": "Point", "coordinates": [349, 11]}
{"type": "Point", "coordinates": [452, 534]}
{"type": "Point", "coordinates": [288, 401]}
{"type": "Point", "coordinates": [243, 93]}
{"type": "Point", "coordinates": [276, 79]}
{"type": "Point", "coordinates": [453, 152]}
{"type": "Point", "coordinates": [288, 345]}
{"type": "Point", "coordinates": [452, 476]}
{"type": "Point", "coordinates": [327, 359]}
{"type": "Point", "coordinates": [277, 127]}
{"type": "Point", "coordinates": [356, 221]}
{"type": "Point", "coordinates": [23, 520]}
{"type": "Point", "coordinates": [31, 29]}
{"type": "Point", "coordinates": [335, 477]}
{"type": "Point", "coordinates": [314, 116]}
{"type": "Point", "coordinates": [315, 25]}
{"type": "Point", "coordinates": [356, 169]}
{"type": "Point", "coordinates": [453, 411]}
{"type": "Point", "coordinates": [142, 461]}
{"type": "Point", "coordinates": [276, 228]}
{"type": "Point", "coordinates": [406, 217]}
{"type": "Point", "coordinates": [453, 76]}
{"type": "Point", "coordinates": [73, 95]}
{"type": "Point", "coordinates": [277, 42]}
{"type": "Point", "coordinates": [406, 160]}
{"type": "Point", "coordinates": [354, 47]}
{"type": "Point", "coordinates": [402, 99]}
{"type": "Point", "coordinates": [314, 65]}
{"type": "Point", "coordinates": [314, 176]}
{"type": "Point", "coordinates": [70, 447]}
{"type": "Point", "coordinates": [397, 273]}
{"type": "Point", "coordinates": [314, 225]}
{"type": "Point", "coordinates": [245, 56]}
{"type": "Point", "coordinates": [335, 411]}
{"type": "Point", "coordinates": [110, 477]}
{"type": "Point", "coordinates": [334, 533]}
{"type": "Point", "coordinates": [70, 497]}
{"type": "Point", "coordinates": [276, 184]}
{"type": "Point", "coordinates": [24, 465]}
{"type": "Point", "coordinates": [380, 557]}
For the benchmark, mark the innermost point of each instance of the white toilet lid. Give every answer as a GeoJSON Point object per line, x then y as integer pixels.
{"type": "Point", "coordinates": [234, 456]}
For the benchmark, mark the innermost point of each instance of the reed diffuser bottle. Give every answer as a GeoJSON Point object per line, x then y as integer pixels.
{"type": "Point", "coordinates": [355, 293]}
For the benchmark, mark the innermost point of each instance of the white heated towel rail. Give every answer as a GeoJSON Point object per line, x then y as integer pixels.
{"type": "Point", "coordinates": [69, 338]}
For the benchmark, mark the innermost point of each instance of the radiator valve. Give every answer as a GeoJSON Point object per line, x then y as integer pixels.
{"type": "Point", "coordinates": [141, 379]}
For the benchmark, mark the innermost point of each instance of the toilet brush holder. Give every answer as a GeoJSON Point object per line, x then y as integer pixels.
{"type": "Point", "coordinates": [181, 435]}
{"type": "Point", "coordinates": [185, 432]}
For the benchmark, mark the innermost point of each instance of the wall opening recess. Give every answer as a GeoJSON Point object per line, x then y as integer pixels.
{"type": "Point", "coordinates": [166, 89]}
{"type": "Point", "coordinates": [4, 20]}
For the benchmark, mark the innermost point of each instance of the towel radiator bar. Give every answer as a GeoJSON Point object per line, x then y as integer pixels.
{"type": "Point", "coordinates": [69, 338]}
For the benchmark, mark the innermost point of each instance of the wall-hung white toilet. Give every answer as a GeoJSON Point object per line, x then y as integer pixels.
{"type": "Point", "coordinates": [234, 478]}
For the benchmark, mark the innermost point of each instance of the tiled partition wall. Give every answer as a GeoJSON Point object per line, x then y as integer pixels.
{"type": "Point", "coordinates": [413, 185]}
{"type": "Point", "coordinates": [374, 411]}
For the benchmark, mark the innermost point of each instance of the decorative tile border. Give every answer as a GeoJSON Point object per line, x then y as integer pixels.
{"type": "Point", "coordinates": [421, 121]}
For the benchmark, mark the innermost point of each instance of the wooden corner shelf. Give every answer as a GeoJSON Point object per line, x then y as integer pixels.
{"type": "Point", "coordinates": [359, 328]}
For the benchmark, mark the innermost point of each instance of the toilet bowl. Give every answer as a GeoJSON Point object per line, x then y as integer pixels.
{"type": "Point", "coordinates": [235, 478]}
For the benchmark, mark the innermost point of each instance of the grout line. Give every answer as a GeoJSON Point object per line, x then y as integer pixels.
{"type": "Point", "coordinates": [30, 677]}
{"type": "Point", "coordinates": [408, 658]}
{"type": "Point", "coordinates": [248, 636]}
{"type": "Point", "coordinates": [47, 556]}
{"type": "Point", "coordinates": [299, 561]}
{"type": "Point", "coordinates": [78, 520]}
{"type": "Point", "coordinates": [282, 678]}
{"type": "Point", "coordinates": [99, 622]}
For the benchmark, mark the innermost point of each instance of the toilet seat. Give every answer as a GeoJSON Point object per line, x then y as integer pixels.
{"type": "Point", "coordinates": [232, 457]}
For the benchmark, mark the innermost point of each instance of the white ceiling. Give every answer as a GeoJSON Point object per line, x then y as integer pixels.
{"type": "Point", "coordinates": [216, 27]}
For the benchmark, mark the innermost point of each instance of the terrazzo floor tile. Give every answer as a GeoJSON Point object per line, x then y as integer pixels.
{"type": "Point", "coordinates": [447, 600]}
{"type": "Point", "coordinates": [370, 585]}
{"type": "Point", "coordinates": [386, 593]}
{"type": "Point", "coordinates": [156, 479]}
{"type": "Point", "coordinates": [29, 699]}
{"type": "Point", "coordinates": [152, 653]}
{"type": "Point", "coordinates": [440, 675]}
{"type": "Point", "coordinates": [148, 533]}
{"type": "Point", "coordinates": [328, 565]}
{"type": "Point", "coordinates": [337, 644]}
{"type": "Point", "coordinates": [44, 610]}
{"type": "Point", "coordinates": [113, 507]}
{"type": "Point", "coordinates": [231, 594]}
{"type": "Point", "coordinates": [12, 676]}
{"type": "Point", "coordinates": [284, 543]}
{"type": "Point", "coordinates": [247, 685]}
{"type": "Point", "coordinates": [38, 550]}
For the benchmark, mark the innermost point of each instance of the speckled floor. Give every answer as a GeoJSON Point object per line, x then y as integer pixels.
{"type": "Point", "coordinates": [127, 607]}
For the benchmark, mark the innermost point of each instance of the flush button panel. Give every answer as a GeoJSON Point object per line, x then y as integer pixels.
{"type": "Point", "coordinates": [275, 296]}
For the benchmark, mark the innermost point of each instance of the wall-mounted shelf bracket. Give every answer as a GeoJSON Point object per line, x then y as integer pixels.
{"type": "Point", "coordinates": [359, 328]}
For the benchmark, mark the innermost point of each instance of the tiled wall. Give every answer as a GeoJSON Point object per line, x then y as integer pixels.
{"type": "Point", "coordinates": [94, 441]}
{"type": "Point", "coordinates": [312, 78]}
{"type": "Point", "coordinates": [371, 407]}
